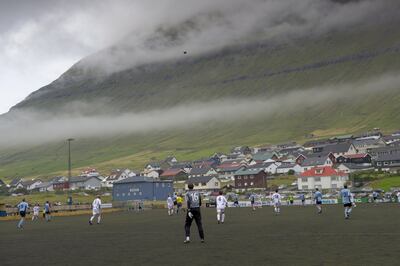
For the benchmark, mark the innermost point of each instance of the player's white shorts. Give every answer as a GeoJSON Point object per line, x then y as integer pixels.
{"type": "Point", "coordinates": [96, 211]}
{"type": "Point", "coordinates": [277, 204]}
{"type": "Point", "coordinates": [170, 206]}
{"type": "Point", "coordinates": [36, 213]}
{"type": "Point", "coordinates": [220, 210]}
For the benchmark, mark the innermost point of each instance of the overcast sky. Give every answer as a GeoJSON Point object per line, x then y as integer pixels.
{"type": "Point", "coordinates": [41, 39]}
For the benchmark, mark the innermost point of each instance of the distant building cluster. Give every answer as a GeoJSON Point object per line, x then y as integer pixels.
{"type": "Point", "coordinates": [322, 163]}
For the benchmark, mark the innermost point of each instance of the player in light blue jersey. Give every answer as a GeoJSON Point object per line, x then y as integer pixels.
{"type": "Point", "coordinates": [346, 199]}
{"type": "Point", "coordinates": [318, 200]}
{"type": "Point", "coordinates": [22, 209]}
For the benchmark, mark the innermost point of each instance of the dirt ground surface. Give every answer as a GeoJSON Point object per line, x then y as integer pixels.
{"type": "Point", "coordinates": [298, 236]}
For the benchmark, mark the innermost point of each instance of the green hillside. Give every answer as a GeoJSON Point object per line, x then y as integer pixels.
{"type": "Point", "coordinates": [261, 70]}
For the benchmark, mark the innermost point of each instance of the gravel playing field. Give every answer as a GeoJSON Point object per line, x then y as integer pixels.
{"type": "Point", "coordinates": [298, 236]}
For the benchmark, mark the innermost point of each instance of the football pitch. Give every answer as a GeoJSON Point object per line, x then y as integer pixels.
{"type": "Point", "coordinates": [298, 236]}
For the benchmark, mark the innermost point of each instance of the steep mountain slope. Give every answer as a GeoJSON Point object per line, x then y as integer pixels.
{"type": "Point", "coordinates": [341, 82]}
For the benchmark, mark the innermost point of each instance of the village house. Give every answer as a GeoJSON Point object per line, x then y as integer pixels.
{"type": "Point", "coordinates": [45, 187]}
{"type": "Point", "coordinates": [15, 182]}
{"type": "Point", "coordinates": [318, 161]}
{"type": "Point", "coordinates": [204, 183]}
{"type": "Point", "coordinates": [263, 157]}
{"type": "Point", "coordinates": [323, 178]}
{"type": "Point", "coordinates": [117, 175]}
{"type": "Point", "coordinates": [202, 171]}
{"type": "Point", "coordinates": [362, 158]}
{"type": "Point", "coordinates": [270, 167]}
{"type": "Point", "coordinates": [85, 182]}
{"type": "Point", "coordinates": [388, 162]}
{"type": "Point", "coordinates": [60, 183]}
{"type": "Point", "coordinates": [352, 167]}
{"type": "Point", "coordinates": [29, 184]}
{"type": "Point", "coordinates": [383, 151]}
{"type": "Point", "coordinates": [252, 178]}
{"type": "Point", "coordinates": [337, 149]}
{"type": "Point", "coordinates": [174, 174]}
{"type": "Point", "coordinates": [155, 174]}
{"type": "Point", "coordinates": [285, 168]}
{"type": "Point", "coordinates": [363, 145]}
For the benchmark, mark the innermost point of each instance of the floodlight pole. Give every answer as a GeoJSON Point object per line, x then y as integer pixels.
{"type": "Point", "coordinates": [69, 157]}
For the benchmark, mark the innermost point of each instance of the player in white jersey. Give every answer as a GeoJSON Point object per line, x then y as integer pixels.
{"type": "Point", "coordinates": [96, 207]}
{"type": "Point", "coordinates": [398, 196]}
{"type": "Point", "coordinates": [36, 210]}
{"type": "Point", "coordinates": [170, 205]}
{"type": "Point", "coordinates": [221, 203]}
{"type": "Point", "coordinates": [276, 199]}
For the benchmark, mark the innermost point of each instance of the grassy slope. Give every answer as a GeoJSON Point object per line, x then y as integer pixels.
{"type": "Point", "coordinates": [215, 77]}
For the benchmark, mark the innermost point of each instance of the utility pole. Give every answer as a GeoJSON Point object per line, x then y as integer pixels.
{"type": "Point", "coordinates": [69, 158]}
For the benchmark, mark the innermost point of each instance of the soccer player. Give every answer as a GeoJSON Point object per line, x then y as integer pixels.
{"type": "Point", "coordinates": [318, 200]}
{"type": "Point", "coordinates": [303, 199]}
{"type": "Point", "coordinates": [47, 211]}
{"type": "Point", "coordinates": [375, 196]}
{"type": "Point", "coordinates": [179, 202]}
{"type": "Point", "coordinates": [346, 198]}
{"type": "Point", "coordinates": [36, 210]}
{"type": "Point", "coordinates": [22, 208]}
{"type": "Point", "coordinates": [96, 205]}
{"type": "Point", "coordinates": [252, 200]}
{"type": "Point", "coordinates": [276, 199]}
{"type": "Point", "coordinates": [221, 204]}
{"type": "Point", "coordinates": [193, 201]}
{"type": "Point", "coordinates": [398, 196]}
{"type": "Point", "coordinates": [170, 205]}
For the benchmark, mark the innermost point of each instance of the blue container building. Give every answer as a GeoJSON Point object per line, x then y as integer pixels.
{"type": "Point", "coordinates": [142, 188]}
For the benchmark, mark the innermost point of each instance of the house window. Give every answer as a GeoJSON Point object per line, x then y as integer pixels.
{"type": "Point", "coordinates": [239, 177]}
{"type": "Point", "coordinates": [318, 179]}
{"type": "Point", "coordinates": [251, 183]}
{"type": "Point", "coordinates": [245, 184]}
{"type": "Point", "coordinates": [216, 184]}
{"type": "Point", "coordinates": [304, 187]}
{"type": "Point", "coordinates": [129, 193]}
{"type": "Point", "coordinates": [318, 171]}
{"type": "Point", "coordinates": [252, 177]}
{"type": "Point", "coordinates": [123, 194]}
{"type": "Point", "coordinates": [162, 185]}
{"type": "Point", "coordinates": [203, 184]}
{"type": "Point", "coordinates": [245, 177]}
{"type": "Point", "coordinates": [117, 194]}
{"type": "Point", "coordinates": [334, 186]}
{"type": "Point", "coordinates": [140, 193]}
{"type": "Point", "coordinates": [304, 179]}
{"type": "Point", "coordinates": [334, 178]}
{"type": "Point", "coordinates": [239, 184]}
{"type": "Point", "coordinates": [157, 184]}
{"type": "Point", "coordinates": [386, 163]}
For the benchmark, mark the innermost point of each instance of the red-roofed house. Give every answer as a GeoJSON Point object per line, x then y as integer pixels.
{"type": "Point", "coordinates": [322, 177]}
{"type": "Point", "coordinates": [174, 174]}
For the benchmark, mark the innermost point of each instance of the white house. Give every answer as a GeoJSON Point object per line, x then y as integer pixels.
{"type": "Point", "coordinates": [45, 186]}
{"type": "Point", "coordinates": [322, 178]}
{"type": "Point", "coordinates": [29, 184]}
{"type": "Point", "coordinates": [209, 183]}
{"type": "Point", "coordinates": [285, 168]}
{"type": "Point", "coordinates": [117, 175]}
{"type": "Point", "coordinates": [271, 167]}
{"type": "Point", "coordinates": [85, 182]}
{"type": "Point", "coordinates": [353, 167]}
